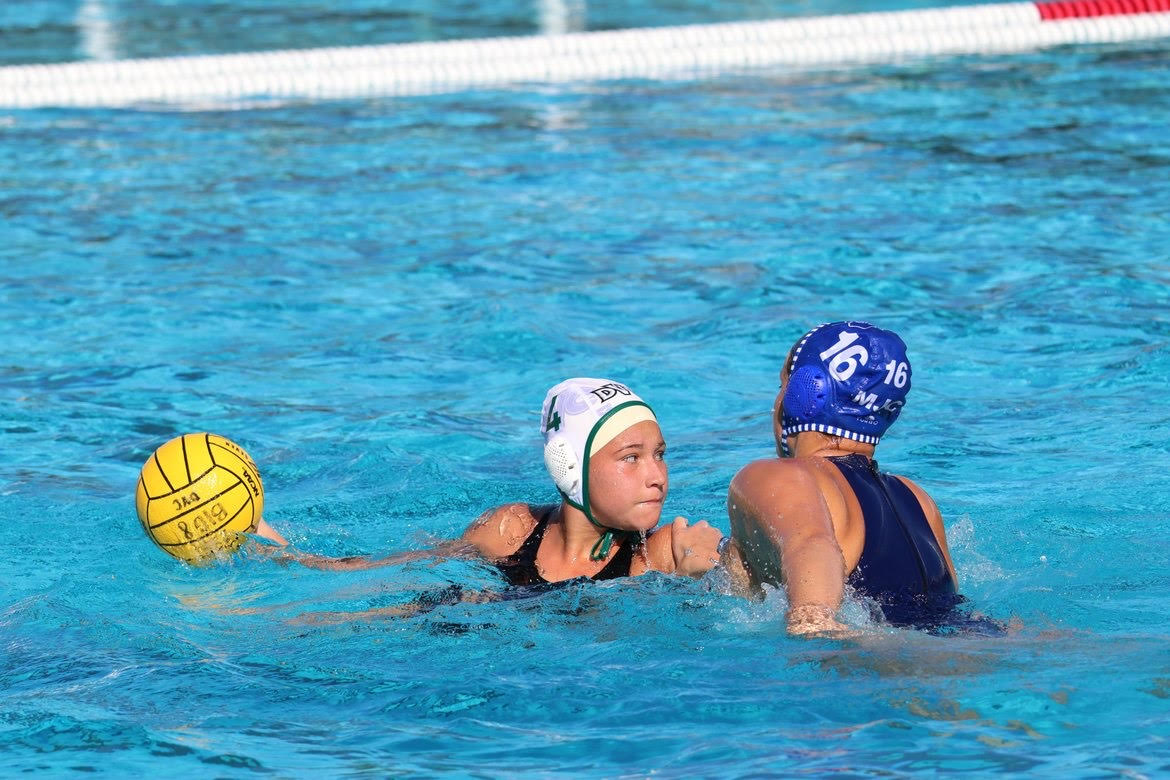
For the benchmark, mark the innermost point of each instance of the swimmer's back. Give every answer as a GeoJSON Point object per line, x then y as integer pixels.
{"type": "Point", "coordinates": [902, 561]}
{"type": "Point", "coordinates": [807, 496]}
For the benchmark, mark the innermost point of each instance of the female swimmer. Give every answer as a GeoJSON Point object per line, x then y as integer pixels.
{"type": "Point", "coordinates": [606, 455]}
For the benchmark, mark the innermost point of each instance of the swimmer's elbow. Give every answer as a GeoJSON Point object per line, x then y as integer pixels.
{"type": "Point", "coordinates": [497, 532]}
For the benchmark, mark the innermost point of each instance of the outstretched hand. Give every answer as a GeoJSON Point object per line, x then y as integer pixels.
{"type": "Point", "coordinates": [695, 547]}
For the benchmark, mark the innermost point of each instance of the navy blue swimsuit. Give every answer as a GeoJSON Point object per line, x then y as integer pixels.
{"type": "Point", "coordinates": [902, 566]}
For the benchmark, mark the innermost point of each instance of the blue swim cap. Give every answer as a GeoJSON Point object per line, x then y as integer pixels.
{"type": "Point", "coordinates": [846, 379]}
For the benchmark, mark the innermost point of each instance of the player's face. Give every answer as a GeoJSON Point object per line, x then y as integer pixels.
{"type": "Point", "coordinates": [628, 479]}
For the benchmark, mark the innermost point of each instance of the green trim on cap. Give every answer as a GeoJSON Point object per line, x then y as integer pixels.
{"type": "Point", "coordinates": [571, 502]}
{"type": "Point", "coordinates": [601, 549]}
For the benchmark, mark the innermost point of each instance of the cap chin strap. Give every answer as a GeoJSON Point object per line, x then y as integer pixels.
{"type": "Point", "coordinates": [600, 550]}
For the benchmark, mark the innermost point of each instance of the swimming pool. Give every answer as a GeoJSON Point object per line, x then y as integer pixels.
{"type": "Point", "coordinates": [373, 296]}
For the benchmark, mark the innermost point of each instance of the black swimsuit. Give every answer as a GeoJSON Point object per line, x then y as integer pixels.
{"type": "Point", "coordinates": [902, 566]}
{"type": "Point", "coordinates": [519, 568]}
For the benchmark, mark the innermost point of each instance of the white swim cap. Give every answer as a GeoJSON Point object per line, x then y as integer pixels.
{"type": "Point", "coordinates": [579, 417]}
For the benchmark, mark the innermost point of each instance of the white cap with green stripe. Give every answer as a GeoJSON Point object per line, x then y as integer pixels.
{"type": "Point", "coordinates": [579, 417]}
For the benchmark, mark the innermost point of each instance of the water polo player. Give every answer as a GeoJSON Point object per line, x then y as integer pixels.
{"type": "Point", "coordinates": [606, 455]}
{"type": "Point", "coordinates": [823, 514]}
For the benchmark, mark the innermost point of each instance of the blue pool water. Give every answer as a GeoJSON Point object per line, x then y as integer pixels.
{"type": "Point", "coordinates": [373, 296]}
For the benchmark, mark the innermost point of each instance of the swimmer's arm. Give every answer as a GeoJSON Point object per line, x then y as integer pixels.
{"type": "Point", "coordinates": [336, 618]}
{"type": "Point", "coordinates": [284, 555]}
{"type": "Point", "coordinates": [934, 518]}
{"type": "Point", "coordinates": [496, 534]}
{"type": "Point", "coordinates": [815, 580]}
{"type": "Point", "coordinates": [399, 611]}
{"type": "Point", "coordinates": [784, 531]}
{"type": "Point", "coordinates": [454, 548]}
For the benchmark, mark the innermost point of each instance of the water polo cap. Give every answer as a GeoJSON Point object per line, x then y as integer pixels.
{"type": "Point", "coordinates": [579, 417]}
{"type": "Point", "coordinates": [846, 379]}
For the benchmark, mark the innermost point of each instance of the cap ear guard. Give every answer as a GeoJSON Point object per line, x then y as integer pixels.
{"type": "Point", "coordinates": [563, 466]}
{"type": "Point", "coordinates": [807, 393]}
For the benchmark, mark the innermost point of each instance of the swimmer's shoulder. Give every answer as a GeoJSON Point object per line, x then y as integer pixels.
{"type": "Point", "coordinates": [779, 478]}
{"type": "Point", "coordinates": [790, 493]}
{"type": "Point", "coordinates": [499, 532]}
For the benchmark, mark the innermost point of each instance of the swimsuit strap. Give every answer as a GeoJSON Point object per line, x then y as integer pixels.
{"type": "Point", "coordinates": [619, 564]}
{"type": "Point", "coordinates": [519, 568]}
{"type": "Point", "coordinates": [527, 551]}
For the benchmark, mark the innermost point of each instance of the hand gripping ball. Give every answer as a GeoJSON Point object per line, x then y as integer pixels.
{"type": "Point", "coordinates": [198, 495]}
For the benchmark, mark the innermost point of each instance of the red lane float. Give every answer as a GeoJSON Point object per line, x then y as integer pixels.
{"type": "Point", "coordinates": [1084, 9]}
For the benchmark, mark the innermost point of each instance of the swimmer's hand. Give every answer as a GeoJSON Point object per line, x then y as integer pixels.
{"type": "Point", "coordinates": [695, 547]}
{"type": "Point", "coordinates": [817, 620]}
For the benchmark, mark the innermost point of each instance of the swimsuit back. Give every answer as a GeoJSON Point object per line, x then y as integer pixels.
{"type": "Point", "coordinates": [902, 566]}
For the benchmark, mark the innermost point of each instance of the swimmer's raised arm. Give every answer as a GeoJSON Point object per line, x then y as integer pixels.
{"type": "Point", "coordinates": [496, 533]}
{"type": "Point", "coordinates": [784, 532]}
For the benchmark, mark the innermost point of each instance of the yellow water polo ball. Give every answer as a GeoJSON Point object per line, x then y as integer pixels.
{"type": "Point", "coordinates": [198, 495]}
